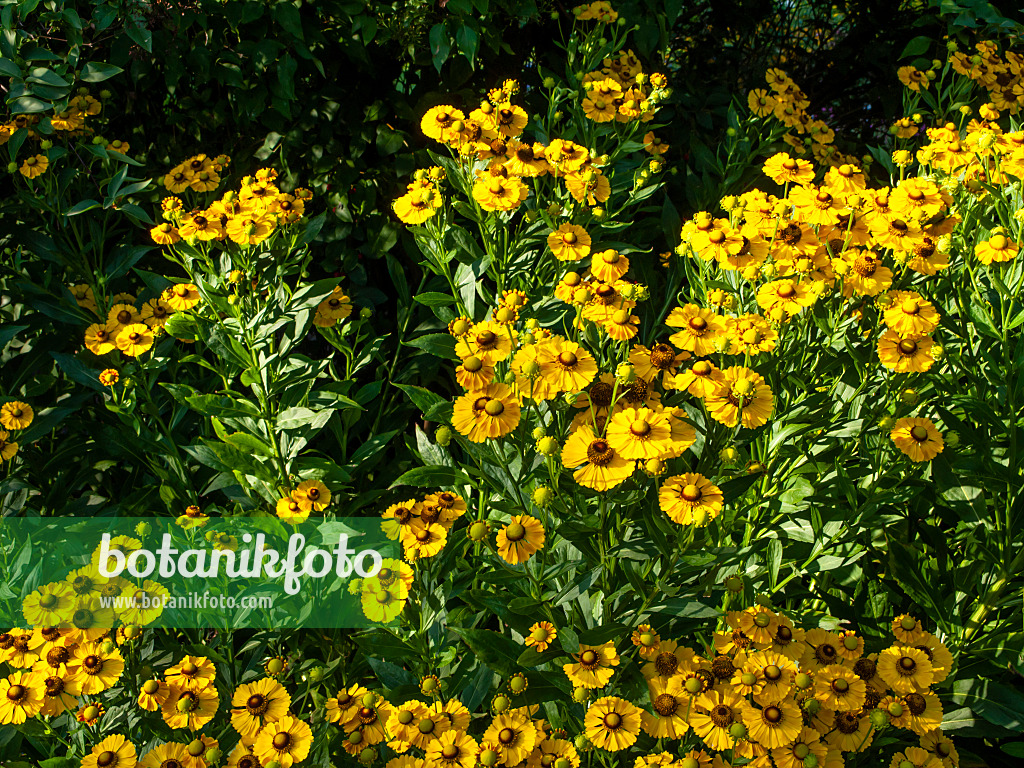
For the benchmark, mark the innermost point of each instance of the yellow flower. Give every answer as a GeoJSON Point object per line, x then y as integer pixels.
{"type": "Point", "coordinates": [910, 315]}
{"type": "Point", "coordinates": [181, 297]}
{"type": "Point", "coordinates": [690, 499]}
{"type": "Point", "coordinates": [918, 438]}
{"type": "Point", "coordinates": [16, 415]}
{"type": "Point", "coordinates": [653, 145]}
{"type": "Point", "coordinates": [98, 340]}
{"type": "Point", "coordinates": [612, 723]}
{"type": "Point", "coordinates": [783, 169]}
{"type": "Point", "coordinates": [416, 206]}
{"type": "Point", "coordinates": [49, 605]}
{"type": "Point", "coordinates": [312, 495]}
{"type": "Point", "coordinates": [135, 339]}
{"type": "Point", "coordinates": [153, 694]}
{"type": "Point", "coordinates": [520, 539]}
{"type": "Point", "coordinates": [34, 166]}
{"type": "Point", "coordinates": [569, 243]}
{"type": "Point", "coordinates": [566, 365]}
{"type": "Point", "coordinates": [285, 741]}
{"type": "Point", "coordinates": [452, 749]}
{"type": "Point", "coordinates": [190, 708]}
{"type": "Point", "coordinates": [165, 234]}
{"type": "Point", "coordinates": [593, 665]}
{"type": "Point", "coordinates": [487, 340]}
{"type": "Point", "coordinates": [714, 713]}
{"type": "Point", "coordinates": [204, 226]}
{"type": "Point", "coordinates": [782, 299]}
{"type": "Point", "coordinates": [541, 635]}
{"type": "Point", "coordinates": [496, 193]}
{"type": "Point", "coordinates": [250, 229]}
{"type": "Point", "coordinates": [255, 704]}
{"type": "Point", "coordinates": [489, 413]}
{"type": "Point", "coordinates": [905, 355]}
{"type": "Point", "coordinates": [774, 726]}
{"type": "Point", "coordinates": [741, 397]}
{"type": "Point", "coordinates": [21, 697]}
{"type": "Point", "coordinates": [905, 669]}
{"type": "Point", "coordinates": [699, 329]}
{"type": "Point", "coordinates": [840, 689]}
{"type": "Point", "coordinates": [600, 467]}
{"type": "Point", "coordinates": [192, 673]}
{"type": "Point", "coordinates": [156, 312]}
{"type": "Point", "coordinates": [998, 248]}
{"type": "Point", "coordinates": [639, 433]}
{"type": "Point", "coordinates": [114, 751]}
{"type": "Point", "coordinates": [913, 78]}
{"type": "Point", "coordinates": [515, 735]}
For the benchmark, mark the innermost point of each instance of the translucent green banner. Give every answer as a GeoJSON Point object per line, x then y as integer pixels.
{"type": "Point", "coordinates": [196, 572]}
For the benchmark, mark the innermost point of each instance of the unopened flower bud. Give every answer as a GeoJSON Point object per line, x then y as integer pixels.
{"type": "Point", "coordinates": [547, 446]}
{"type": "Point", "coordinates": [542, 496]}
{"type": "Point", "coordinates": [478, 531]}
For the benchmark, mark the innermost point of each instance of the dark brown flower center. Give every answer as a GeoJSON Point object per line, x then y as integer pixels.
{"type": "Point", "coordinates": [600, 453]}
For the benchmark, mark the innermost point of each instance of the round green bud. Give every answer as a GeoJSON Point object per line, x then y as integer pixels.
{"type": "Point", "coordinates": [737, 730]}
{"type": "Point", "coordinates": [46, 144]}
{"type": "Point", "coordinates": [734, 583]}
{"type": "Point", "coordinates": [878, 718]}
{"type": "Point", "coordinates": [478, 531]}
{"type": "Point", "coordinates": [542, 496]}
{"type": "Point", "coordinates": [213, 755]}
{"type": "Point", "coordinates": [443, 435]}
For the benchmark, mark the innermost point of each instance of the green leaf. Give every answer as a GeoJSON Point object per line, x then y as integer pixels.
{"type": "Point", "coordinates": [999, 704]}
{"type": "Point", "coordinates": [774, 557]}
{"type": "Point", "coordinates": [423, 398]}
{"type": "Point", "coordinates": [497, 651]}
{"type": "Point", "coordinates": [428, 477]}
{"type": "Point", "coordinates": [82, 207]}
{"type": "Point", "coordinates": [433, 299]}
{"type": "Point", "coordinates": [917, 47]}
{"type": "Point", "coordinates": [440, 45]}
{"type": "Point", "coordinates": [28, 105]}
{"type": "Point", "coordinates": [467, 40]}
{"type": "Point", "coordinates": [97, 72]}
{"type": "Point", "coordinates": [8, 332]}
{"type": "Point", "coordinates": [9, 69]}
{"type": "Point", "coordinates": [437, 344]}
{"type": "Point", "coordinates": [249, 444]}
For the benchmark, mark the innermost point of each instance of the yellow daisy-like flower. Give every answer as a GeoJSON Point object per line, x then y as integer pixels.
{"type": "Point", "coordinates": [905, 669]}
{"type": "Point", "coordinates": [34, 166]}
{"type": "Point", "coordinates": [918, 438]}
{"type": "Point", "coordinates": [497, 193]}
{"type": "Point", "coordinates": [910, 315]}
{"type": "Point", "coordinates": [699, 329]}
{"type": "Point", "coordinates": [514, 734]}
{"type": "Point", "coordinates": [115, 751]}
{"type": "Point", "coordinates": [153, 695]}
{"type": "Point", "coordinates": [783, 169]}
{"type": "Point", "coordinates": [775, 725]}
{"type": "Point", "coordinates": [569, 243]}
{"type": "Point", "coordinates": [49, 605]}
{"type": "Point", "coordinates": [690, 499]}
{"type": "Point", "coordinates": [99, 340]}
{"type": "Point", "coordinates": [905, 355]}
{"type": "Point", "coordinates": [191, 673]}
{"type": "Point", "coordinates": [639, 433]}
{"type": "Point", "coordinates": [840, 689]}
{"type": "Point", "coordinates": [541, 635]}
{"type": "Point", "coordinates": [612, 723]}
{"type": "Point", "coordinates": [608, 266]}
{"type": "Point", "coordinates": [253, 705]}
{"type": "Point", "coordinates": [566, 365]}
{"type": "Point", "coordinates": [520, 539]}
{"type": "Point", "coordinates": [599, 466]}
{"type": "Point", "coordinates": [285, 741]}
{"type": "Point", "coordinates": [592, 667]}
{"type": "Point", "coordinates": [487, 340]}
{"type": "Point", "coordinates": [16, 415]}
{"type": "Point", "coordinates": [452, 749]}
{"type": "Point", "coordinates": [312, 495]}
{"type": "Point", "coordinates": [190, 708]}
{"type": "Point", "coordinates": [135, 339]}
{"type": "Point", "coordinates": [713, 716]}
{"type": "Point", "coordinates": [997, 249]}
{"type": "Point", "coordinates": [21, 697]}
{"type": "Point", "coordinates": [488, 413]}
{"type": "Point", "coordinates": [701, 380]}
{"type": "Point", "coordinates": [741, 397]}
{"type": "Point", "coordinates": [782, 299]}
{"type": "Point", "coordinates": [181, 297]}
{"type": "Point", "coordinates": [418, 205]}
{"type": "Point", "coordinates": [670, 711]}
